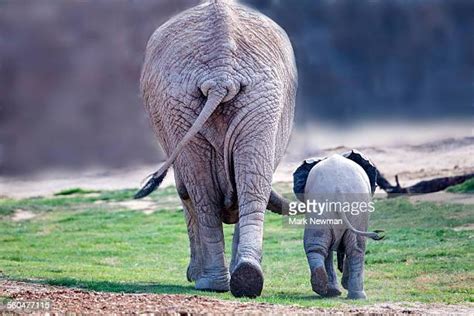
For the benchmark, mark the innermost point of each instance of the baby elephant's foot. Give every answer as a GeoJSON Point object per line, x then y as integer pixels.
{"type": "Point", "coordinates": [356, 295]}
{"type": "Point", "coordinates": [212, 283]}
{"type": "Point", "coordinates": [319, 281]}
{"type": "Point", "coordinates": [332, 292]}
{"type": "Point", "coordinates": [246, 279]}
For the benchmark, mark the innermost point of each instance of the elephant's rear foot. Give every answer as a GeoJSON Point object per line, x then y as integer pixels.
{"type": "Point", "coordinates": [319, 280]}
{"type": "Point", "coordinates": [333, 292]}
{"type": "Point", "coordinates": [246, 280]}
{"type": "Point", "coordinates": [215, 282]}
{"type": "Point", "coordinates": [193, 272]}
{"type": "Point", "coordinates": [212, 283]}
{"type": "Point", "coordinates": [321, 285]}
{"type": "Point", "coordinates": [356, 295]}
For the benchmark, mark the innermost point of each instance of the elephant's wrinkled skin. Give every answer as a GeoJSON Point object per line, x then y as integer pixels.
{"type": "Point", "coordinates": [338, 179]}
{"type": "Point", "coordinates": [219, 83]}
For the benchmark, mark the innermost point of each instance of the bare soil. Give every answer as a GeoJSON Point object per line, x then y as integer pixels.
{"type": "Point", "coordinates": [71, 300]}
{"type": "Point", "coordinates": [23, 215]}
{"type": "Point", "coordinates": [443, 197]}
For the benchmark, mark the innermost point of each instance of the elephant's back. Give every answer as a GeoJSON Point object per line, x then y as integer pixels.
{"type": "Point", "coordinates": [339, 175]}
{"type": "Point", "coordinates": [216, 39]}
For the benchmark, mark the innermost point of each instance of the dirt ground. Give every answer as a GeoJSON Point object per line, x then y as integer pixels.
{"type": "Point", "coordinates": [70, 300]}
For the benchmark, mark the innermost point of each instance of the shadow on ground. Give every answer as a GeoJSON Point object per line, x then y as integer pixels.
{"type": "Point", "coordinates": [119, 287]}
{"type": "Point", "coordinates": [155, 288]}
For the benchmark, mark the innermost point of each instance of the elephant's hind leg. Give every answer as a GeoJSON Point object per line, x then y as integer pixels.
{"type": "Point", "coordinates": [316, 246]}
{"type": "Point", "coordinates": [333, 288]}
{"type": "Point", "coordinates": [345, 274]}
{"type": "Point", "coordinates": [253, 165]}
{"type": "Point", "coordinates": [247, 275]}
{"type": "Point", "coordinates": [207, 267]}
{"type": "Point", "coordinates": [214, 275]}
{"type": "Point", "coordinates": [195, 264]}
{"type": "Point", "coordinates": [353, 275]}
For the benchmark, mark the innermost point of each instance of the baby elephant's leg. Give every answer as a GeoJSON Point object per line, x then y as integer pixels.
{"type": "Point", "coordinates": [345, 274]}
{"type": "Point", "coordinates": [316, 246]}
{"type": "Point", "coordinates": [353, 277]}
{"type": "Point", "coordinates": [333, 288]}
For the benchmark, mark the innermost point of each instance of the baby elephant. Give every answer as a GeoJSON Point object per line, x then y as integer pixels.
{"type": "Point", "coordinates": [338, 194]}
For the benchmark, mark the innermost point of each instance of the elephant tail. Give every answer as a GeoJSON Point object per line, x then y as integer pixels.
{"type": "Point", "coordinates": [217, 91]}
{"type": "Point", "coordinates": [373, 235]}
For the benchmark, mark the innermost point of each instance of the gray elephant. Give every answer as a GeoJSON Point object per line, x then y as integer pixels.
{"type": "Point", "coordinates": [219, 83]}
{"type": "Point", "coordinates": [340, 184]}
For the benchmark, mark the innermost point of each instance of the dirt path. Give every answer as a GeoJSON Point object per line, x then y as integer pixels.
{"type": "Point", "coordinates": [69, 300]}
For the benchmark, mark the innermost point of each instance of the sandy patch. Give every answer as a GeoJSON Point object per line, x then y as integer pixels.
{"type": "Point", "coordinates": [444, 197]}
{"type": "Point", "coordinates": [70, 300]}
{"type": "Point", "coordinates": [465, 227]}
{"type": "Point", "coordinates": [146, 206]}
{"type": "Point", "coordinates": [22, 215]}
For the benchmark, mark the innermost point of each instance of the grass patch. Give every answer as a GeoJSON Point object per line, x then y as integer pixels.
{"type": "Point", "coordinates": [465, 187]}
{"type": "Point", "coordinates": [76, 191]}
{"type": "Point", "coordinates": [77, 242]}
{"type": "Point", "coordinates": [73, 199]}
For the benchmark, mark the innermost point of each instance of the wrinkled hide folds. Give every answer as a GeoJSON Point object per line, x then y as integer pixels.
{"type": "Point", "coordinates": [219, 83]}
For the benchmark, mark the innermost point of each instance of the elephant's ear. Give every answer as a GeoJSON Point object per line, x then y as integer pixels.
{"type": "Point", "coordinates": [301, 175]}
{"type": "Point", "coordinates": [369, 168]}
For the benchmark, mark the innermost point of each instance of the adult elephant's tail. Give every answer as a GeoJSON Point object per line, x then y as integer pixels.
{"type": "Point", "coordinates": [216, 92]}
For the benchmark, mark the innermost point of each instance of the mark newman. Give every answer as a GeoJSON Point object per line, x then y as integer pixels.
{"type": "Point", "coordinates": [314, 221]}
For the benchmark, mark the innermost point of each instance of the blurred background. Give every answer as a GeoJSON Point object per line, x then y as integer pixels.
{"type": "Point", "coordinates": [69, 72]}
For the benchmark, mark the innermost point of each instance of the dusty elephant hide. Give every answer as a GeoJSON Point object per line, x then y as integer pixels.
{"type": "Point", "coordinates": [219, 83]}
{"type": "Point", "coordinates": [347, 179]}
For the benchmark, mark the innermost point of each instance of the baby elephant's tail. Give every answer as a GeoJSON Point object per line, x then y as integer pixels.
{"type": "Point", "coordinates": [217, 91]}
{"type": "Point", "coordinates": [373, 235]}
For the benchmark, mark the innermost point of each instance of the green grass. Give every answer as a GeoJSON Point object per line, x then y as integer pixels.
{"type": "Point", "coordinates": [76, 191]}
{"type": "Point", "coordinates": [89, 241]}
{"type": "Point", "coordinates": [465, 187]}
{"type": "Point", "coordinates": [78, 199]}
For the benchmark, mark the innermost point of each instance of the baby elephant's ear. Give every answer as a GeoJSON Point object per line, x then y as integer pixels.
{"type": "Point", "coordinates": [357, 157]}
{"type": "Point", "coordinates": [301, 175]}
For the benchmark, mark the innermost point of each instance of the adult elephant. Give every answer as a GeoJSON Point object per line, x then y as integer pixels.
{"type": "Point", "coordinates": [219, 83]}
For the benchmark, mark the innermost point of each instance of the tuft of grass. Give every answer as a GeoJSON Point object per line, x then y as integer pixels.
{"type": "Point", "coordinates": [103, 247]}
{"type": "Point", "coordinates": [75, 191]}
{"type": "Point", "coordinates": [465, 187]}
{"type": "Point", "coordinates": [117, 195]}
